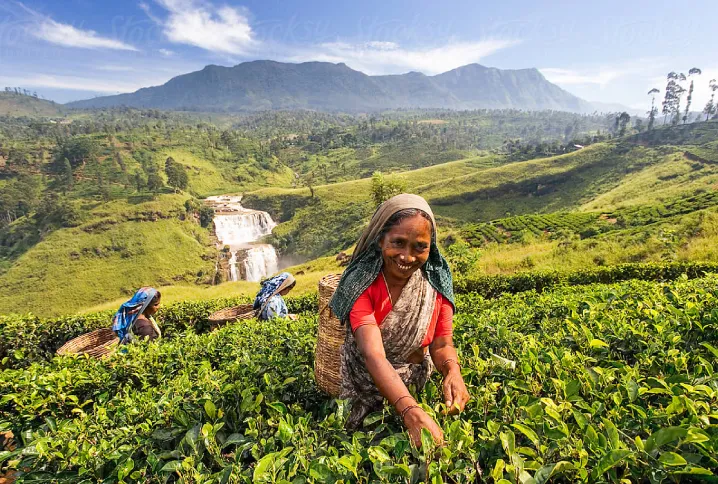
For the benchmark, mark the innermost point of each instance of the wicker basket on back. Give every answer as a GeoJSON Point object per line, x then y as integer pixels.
{"type": "Point", "coordinates": [231, 315]}
{"type": "Point", "coordinates": [97, 344]}
{"type": "Point", "coordinates": [327, 363]}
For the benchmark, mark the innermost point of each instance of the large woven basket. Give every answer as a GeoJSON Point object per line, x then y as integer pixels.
{"type": "Point", "coordinates": [231, 315]}
{"type": "Point", "coordinates": [327, 362]}
{"type": "Point", "coordinates": [97, 344]}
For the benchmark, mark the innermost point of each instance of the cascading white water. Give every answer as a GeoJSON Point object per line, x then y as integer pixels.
{"type": "Point", "coordinates": [260, 260]}
{"type": "Point", "coordinates": [238, 227]}
{"type": "Point", "coordinates": [244, 227]}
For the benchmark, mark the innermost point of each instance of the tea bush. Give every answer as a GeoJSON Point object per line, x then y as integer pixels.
{"type": "Point", "coordinates": [495, 285]}
{"type": "Point", "coordinates": [600, 383]}
{"type": "Point", "coordinates": [26, 339]}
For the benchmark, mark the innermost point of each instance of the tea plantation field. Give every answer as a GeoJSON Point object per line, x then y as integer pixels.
{"type": "Point", "coordinates": [596, 383]}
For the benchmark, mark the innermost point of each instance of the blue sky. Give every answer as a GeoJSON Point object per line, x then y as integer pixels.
{"type": "Point", "coordinates": [607, 51]}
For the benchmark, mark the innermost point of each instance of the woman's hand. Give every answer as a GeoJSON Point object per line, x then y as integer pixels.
{"type": "Point", "coordinates": [292, 317]}
{"type": "Point", "coordinates": [455, 393]}
{"type": "Point", "coordinates": [417, 419]}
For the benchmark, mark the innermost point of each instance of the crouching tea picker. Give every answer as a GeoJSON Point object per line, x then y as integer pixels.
{"type": "Point", "coordinates": [269, 303]}
{"type": "Point", "coordinates": [396, 298]}
{"type": "Point", "coordinates": [135, 317]}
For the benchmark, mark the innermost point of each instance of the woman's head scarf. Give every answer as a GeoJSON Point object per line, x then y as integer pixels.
{"type": "Point", "coordinates": [367, 260]}
{"type": "Point", "coordinates": [271, 287]}
{"type": "Point", "coordinates": [125, 317]}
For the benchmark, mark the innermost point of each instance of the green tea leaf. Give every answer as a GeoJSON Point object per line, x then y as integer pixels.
{"type": "Point", "coordinates": [664, 436]}
{"type": "Point", "coordinates": [172, 466]}
{"type": "Point", "coordinates": [632, 390]}
{"type": "Point", "coordinates": [378, 454]}
{"type": "Point", "coordinates": [285, 432]}
{"type": "Point", "coordinates": [508, 441]}
{"type": "Point", "coordinates": [546, 472]}
{"type": "Point", "coordinates": [319, 471]}
{"type": "Point", "coordinates": [528, 432]}
{"type": "Point", "coordinates": [498, 471]}
{"type": "Point", "coordinates": [211, 410]}
{"type": "Point", "coordinates": [264, 467]}
{"type": "Point", "coordinates": [609, 461]}
{"type": "Point", "coordinates": [672, 459]}
{"type": "Point", "coordinates": [427, 440]}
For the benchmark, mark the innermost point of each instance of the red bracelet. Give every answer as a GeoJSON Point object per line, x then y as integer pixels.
{"type": "Point", "coordinates": [404, 412]}
{"type": "Point", "coordinates": [399, 400]}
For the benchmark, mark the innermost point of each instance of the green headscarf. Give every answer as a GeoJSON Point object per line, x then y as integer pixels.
{"type": "Point", "coordinates": [367, 259]}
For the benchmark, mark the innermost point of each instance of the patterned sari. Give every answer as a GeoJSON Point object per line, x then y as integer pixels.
{"type": "Point", "coordinates": [402, 333]}
{"type": "Point", "coordinates": [405, 327]}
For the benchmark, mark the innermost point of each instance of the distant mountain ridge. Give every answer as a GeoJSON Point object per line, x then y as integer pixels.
{"type": "Point", "coordinates": [323, 86]}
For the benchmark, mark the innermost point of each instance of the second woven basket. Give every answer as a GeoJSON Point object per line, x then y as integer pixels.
{"type": "Point", "coordinates": [97, 344]}
{"type": "Point", "coordinates": [327, 362]}
{"type": "Point", "coordinates": [230, 315]}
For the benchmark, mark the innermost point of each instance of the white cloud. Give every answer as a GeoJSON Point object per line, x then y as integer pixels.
{"type": "Point", "coordinates": [600, 76]}
{"type": "Point", "coordinates": [76, 83]}
{"type": "Point", "coordinates": [166, 52]}
{"type": "Point", "coordinates": [217, 29]}
{"type": "Point", "coordinates": [69, 36]}
{"type": "Point", "coordinates": [390, 58]}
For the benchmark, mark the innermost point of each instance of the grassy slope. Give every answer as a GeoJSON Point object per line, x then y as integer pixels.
{"type": "Point", "coordinates": [107, 258]}
{"type": "Point", "coordinates": [213, 178]}
{"type": "Point", "coordinates": [18, 105]}
{"type": "Point", "coordinates": [690, 237]}
{"type": "Point", "coordinates": [674, 176]}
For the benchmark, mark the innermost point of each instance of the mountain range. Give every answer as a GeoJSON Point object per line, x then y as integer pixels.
{"type": "Point", "coordinates": [269, 85]}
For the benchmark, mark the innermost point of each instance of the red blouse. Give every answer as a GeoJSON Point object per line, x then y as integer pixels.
{"type": "Point", "coordinates": [374, 305]}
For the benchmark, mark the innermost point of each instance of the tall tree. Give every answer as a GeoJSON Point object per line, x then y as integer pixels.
{"type": "Point", "coordinates": [154, 181]}
{"type": "Point", "coordinates": [176, 174]}
{"type": "Point", "coordinates": [622, 121]}
{"type": "Point", "coordinates": [668, 98]}
{"type": "Point", "coordinates": [711, 107]}
{"type": "Point", "coordinates": [652, 113]}
{"type": "Point", "coordinates": [693, 72]}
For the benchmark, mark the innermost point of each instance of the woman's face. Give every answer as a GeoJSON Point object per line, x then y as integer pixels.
{"type": "Point", "coordinates": [152, 308]}
{"type": "Point", "coordinates": [405, 248]}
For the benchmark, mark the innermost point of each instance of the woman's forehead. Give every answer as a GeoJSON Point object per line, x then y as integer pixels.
{"type": "Point", "coordinates": [416, 225]}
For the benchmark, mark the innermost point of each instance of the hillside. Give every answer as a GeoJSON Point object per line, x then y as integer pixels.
{"type": "Point", "coordinates": [269, 85]}
{"type": "Point", "coordinates": [106, 220]}
{"type": "Point", "coordinates": [479, 189]}
{"type": "Point", "coordinates": [122, 247]}
{"type": "Point", "coordinates": [12, 104]}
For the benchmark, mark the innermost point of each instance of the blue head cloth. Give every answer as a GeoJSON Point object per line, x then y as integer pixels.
{"type": "Point", "coordinates": [272, 286]}
{"type": "Point", "coordinates": [125, 317]}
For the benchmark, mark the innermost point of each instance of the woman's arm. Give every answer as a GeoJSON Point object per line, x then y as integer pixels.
{"type": "Point", "coordinates": [444, 356]}
{"type": "Point", "coordinates": [390, 385]}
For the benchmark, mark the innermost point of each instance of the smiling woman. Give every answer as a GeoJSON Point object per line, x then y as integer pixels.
{"type": "Point", "coordinates": [397, 297]}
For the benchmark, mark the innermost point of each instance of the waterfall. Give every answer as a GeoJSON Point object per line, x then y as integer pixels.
{"type": "Point", "coordinates": [259, 261]}
{"type": "Point", "coordinates": [239, 228]}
